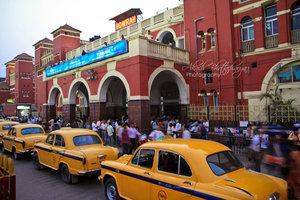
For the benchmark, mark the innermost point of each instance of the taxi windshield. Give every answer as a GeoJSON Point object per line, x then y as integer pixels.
{"type": "Point", "coordinates": [33, 130]}
{"type": "Point", "coordinates": [86, 140]}
{"type": "Point", "coordinates": [223, 162]}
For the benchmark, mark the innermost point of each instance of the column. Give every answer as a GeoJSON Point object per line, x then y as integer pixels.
{"type": "Point", "coordinates": [139, 112]}
{"type": "Point", "coordinates": [69, 112]}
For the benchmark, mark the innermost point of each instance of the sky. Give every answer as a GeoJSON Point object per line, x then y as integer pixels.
{"type": "Point", "coordinates": [25, 22]}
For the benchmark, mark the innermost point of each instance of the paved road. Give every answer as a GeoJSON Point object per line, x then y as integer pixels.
{"type": "Point", "coordinates": [46, 184]}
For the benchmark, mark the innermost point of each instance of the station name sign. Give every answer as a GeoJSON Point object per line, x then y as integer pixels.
{"type": "Point", "coordinates": [100, 54]}
{"type": "Point", "coordinates": [126, 22]}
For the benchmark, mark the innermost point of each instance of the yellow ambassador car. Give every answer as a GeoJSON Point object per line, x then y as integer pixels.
{"type": "Point", "coordinates": [4, 127]}
{"type": "Point", "coordinates": [21, 138]}
{"type": "Point", "coordinates": [73, 151]}
{"type": "Point", "coordinates": [186, 169]}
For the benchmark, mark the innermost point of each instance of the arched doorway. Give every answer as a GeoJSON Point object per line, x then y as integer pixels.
{"type": "Point", "coordinates": [167, 95]}
{"type": "Point", "coordinates": [79, 98]}
{"type": "Point", "coordinates": [55, 103]}
{"type": "Point", "coordinates": [167, 37]}
{"type": "Point", "coordinates": [113, 93]}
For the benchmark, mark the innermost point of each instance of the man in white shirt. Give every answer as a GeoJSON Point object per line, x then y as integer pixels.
{"type": "Point", "coordinates": [94, 126]}
{"type": "Point", "coordinates": [186, 133]}
{"type": "Point", "coordinates": [110, 133]}
{"type": "Point", "coordinates": [154, 135]}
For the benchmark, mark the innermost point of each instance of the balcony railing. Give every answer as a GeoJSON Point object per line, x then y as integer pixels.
{"type": "Point", "coordinates": [295, 36]}
{"type": "Point", "coordinates": [271, 41]}
{"type": "Point", "coordinates": [174, 16]}
{"type": "Point", "coordinates": [248, 46]}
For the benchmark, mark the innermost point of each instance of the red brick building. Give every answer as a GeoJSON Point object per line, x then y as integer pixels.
{"type": "Point", "coordinates": [19, 78]}
{"type": "Point", "coordinates": [224, 55]}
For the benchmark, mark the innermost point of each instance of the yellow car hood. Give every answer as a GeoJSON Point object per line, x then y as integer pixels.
{"type": "Point", "coordinates": [256, 185]}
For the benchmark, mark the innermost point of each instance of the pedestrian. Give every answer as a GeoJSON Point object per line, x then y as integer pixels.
{"type": "Point", "coordinates": [94, 126]}
{"type": "Point", "coordinates": [254, 153]}
{"type": "Point", "coordinates": [110, 134]}
{"type": "Point", "coordinates": [206, 126]}
{"type": "Point", "coordinates": [201, 130]}
{"type": "Point", "coordinates": [103, 130]}
{"type": "Point", "coordinates": [148, 35]}
{"type": "Point", "coordinates": [154, 135]}
{"type": "Point", "coordinates": [294, 170]}
{"type": "Point", "coordinates": [186, 133]}
{"type": "Point", "coordinates": [125, 139]}
{"type": "Point", "coordinates": [294, 136]}
{"type": "Point", "coordinates": [225, 133]}
{"type": "Point", "coordinates": [118, 129]}
{"type": "Point", "coordinates": [87, 125]}
{"type": "Point", "coordinates": [133, 134]}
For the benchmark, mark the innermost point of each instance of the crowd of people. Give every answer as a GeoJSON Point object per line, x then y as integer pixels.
{"type": "Point", "coordinates": [277, 151]}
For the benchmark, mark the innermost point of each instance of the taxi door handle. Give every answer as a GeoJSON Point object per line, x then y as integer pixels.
{"type": "Point", "coordinates": [187, 182]}
{"type": "Point", "coordinates": [147, 173]}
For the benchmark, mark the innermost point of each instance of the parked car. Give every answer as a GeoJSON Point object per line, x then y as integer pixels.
{"type": "Point", "coordinates": [74, 152]}
{"type": "Point", "coordinates": [4, 128]}
{"type": "Point", "coordinates": [186, 169]}
{"type": "Point", "coordinates": [21, 138]}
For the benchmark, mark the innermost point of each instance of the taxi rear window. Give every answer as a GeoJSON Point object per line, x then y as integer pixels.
{"type": "Point", "coordinates": [6, 127]}
{"type": "Point", "coordinates": [224, 162]}
{"type": "Point", "coordinates": [33, 130]}
{"type": "Point", "coordinates": [86, 140]}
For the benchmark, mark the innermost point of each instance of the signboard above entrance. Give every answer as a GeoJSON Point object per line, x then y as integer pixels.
{"type": "Point", "coordinates": [126, 18]}
{"type": "Point", "coordinates": [126, 22]}
{"type": "Point", "coordinates": [100, 54]}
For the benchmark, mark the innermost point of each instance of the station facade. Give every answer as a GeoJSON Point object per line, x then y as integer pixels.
{"type": "Point", "coordinates": [204, 53]}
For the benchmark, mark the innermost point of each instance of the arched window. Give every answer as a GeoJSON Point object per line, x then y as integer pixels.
{"type": "Point", "coordinates": [215, 96]}
{"type": "Point", "coordinates": [289, 74]}
{"type": "Point", "coordinates": [211, 39]}
{"type": "Point", "coordinates": [247, 30]}
{"type": "Point", "coordinates": [202, 42]}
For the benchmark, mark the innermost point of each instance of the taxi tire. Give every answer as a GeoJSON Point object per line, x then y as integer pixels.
{"type": "Point", "coordinates": [65, 174]}
{"type": "Point", "coordinates": [36, 162]}
{"type": "Point", "coordinates": [16, 156]}
{"type": "Point", "coordinates": [111, 190]}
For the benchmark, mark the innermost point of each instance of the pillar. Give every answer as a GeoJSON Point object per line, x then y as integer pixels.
{"type": "Point", "coordinates": [69, 112]}
{"type": "Point", "coordinates": [49, 112]}
{"type": "Point", "coordinates": [139, 112]}
{"type": "Point", "coordinates": [183, 112]}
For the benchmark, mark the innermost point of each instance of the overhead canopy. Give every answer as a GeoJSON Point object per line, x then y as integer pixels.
{"type": "Point", "coordinates": [128, 13]}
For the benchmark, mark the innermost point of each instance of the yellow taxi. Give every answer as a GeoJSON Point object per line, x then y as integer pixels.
{"type": "Point", "coordinates": [21, 138]}
{"type": "Point", "coordinates": [74, 152]}
{"type": "Point", "coordinates": [4, 127]}
{"type": "Point", "coordinates": [186, 169]}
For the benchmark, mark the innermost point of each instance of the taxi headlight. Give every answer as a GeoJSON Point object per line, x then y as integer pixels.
{"type": "Point", "coordinates": [274, 196]}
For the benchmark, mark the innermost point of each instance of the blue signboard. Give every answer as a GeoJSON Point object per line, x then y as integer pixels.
{"type": "Point", "coordinates": [100, 54]}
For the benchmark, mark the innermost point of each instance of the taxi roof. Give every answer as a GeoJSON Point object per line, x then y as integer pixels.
{"type": "Point", "coordinates": [74, 131]}
{"type": "Point", "coordinates": [20, 126]}
{"type": "Point", "coordinates": [8, 122]}
{"type": "Point", "coordinates": [186, 145]}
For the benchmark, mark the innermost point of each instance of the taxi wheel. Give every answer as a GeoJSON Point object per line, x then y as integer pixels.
{"type": "Point", "coordinates": [111, 190]}
{"type": "Point", "coordinates": [36, 162]}
{"type": "Point", "coordinates": [65, 174]}
{"type": "Point", "coordinates": [16, 156]}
